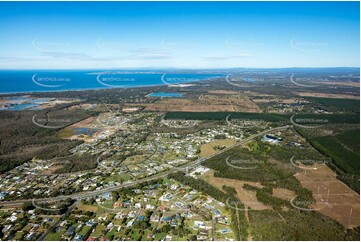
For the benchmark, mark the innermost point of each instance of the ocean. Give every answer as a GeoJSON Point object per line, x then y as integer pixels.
{"type": "Point", "coordinates": [21, 81]}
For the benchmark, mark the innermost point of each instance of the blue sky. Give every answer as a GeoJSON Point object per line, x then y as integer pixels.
{"type": "Point", "coordinates": [61, 35]}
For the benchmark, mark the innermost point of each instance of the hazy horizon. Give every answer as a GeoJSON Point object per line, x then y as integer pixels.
{"type": "Point", "coordinates": [181, 68]}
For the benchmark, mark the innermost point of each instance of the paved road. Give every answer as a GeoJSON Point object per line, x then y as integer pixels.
{"type": "Point", "coordinates": [56, 224]}
{"type": "Point", "coordinates": [131, 184]}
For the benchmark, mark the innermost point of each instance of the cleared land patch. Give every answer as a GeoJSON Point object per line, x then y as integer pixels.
{"type": "Point", "coordinates": [247, 197]}
{"type": "Point", "coordinates": [326, 95]}
{"type": "Point", "coordinates": [205, 103]}
{"type": "Point", "coordinates": [88, 208]}
{"type": "Point", "coordinates": [333, 198]}
{"type": "Point", "coordinates": [214, 147]}
{"type": "Point", "coordinates": [133, 159]}
{"type": "Point", "coordinates": [86, 130]}
{"type": "Point", "coordinates": [283, 193]}
{"type": "Point", "coordinates": [223, 92]}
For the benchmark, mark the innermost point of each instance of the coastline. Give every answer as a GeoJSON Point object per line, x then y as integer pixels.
{"type": "Point", "coordinates": [79, 89]}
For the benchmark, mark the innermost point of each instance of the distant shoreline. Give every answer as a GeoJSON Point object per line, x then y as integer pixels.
{"type": "Point", "coordinates": [81, 81]}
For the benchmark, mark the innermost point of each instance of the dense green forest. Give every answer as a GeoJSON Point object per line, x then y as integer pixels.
{"type": "Point", "coordinates": [285, 118]}
{"type": "Point", "coordinates": [336, 104]}
{"type": "Point", "coordinates": [344, 150]}
{"type": "Point", "coordinates": [21, 139]}
{"type": "Point", "coordinates": [295, 225]}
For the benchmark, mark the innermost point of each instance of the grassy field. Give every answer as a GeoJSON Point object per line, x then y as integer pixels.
{"type": "Point", "coordinates": [212, 147]}
{"type": "Point", "coordinates": [133, 159]}
{"type": "Point", "coordinates": [85, 230]}
{"type": "Point", "coordinates": [88, 208]}
{"type": "Point", "coordinates": [98, 231]}
{"type": "Point", "coordinates": [123, 177]}
{"type": "Point", "coordinates": [55, 236]}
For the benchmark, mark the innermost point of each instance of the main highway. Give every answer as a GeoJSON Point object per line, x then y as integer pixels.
{"type": "Point", "coordinates": [134, 183]}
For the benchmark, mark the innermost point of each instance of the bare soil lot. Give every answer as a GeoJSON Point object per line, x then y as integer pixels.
{"type": "Point", "coordinates": [333, 198]}
{"type": "Point", "coordinates": [326, 95]}
{"type": "Point", "coordinates": [283, 193]}
{"type": "Point", "coordinates": [52, 169]}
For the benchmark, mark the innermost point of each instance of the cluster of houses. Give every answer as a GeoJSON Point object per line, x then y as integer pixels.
{"type": "Point", "coordinates": [174, 202]}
